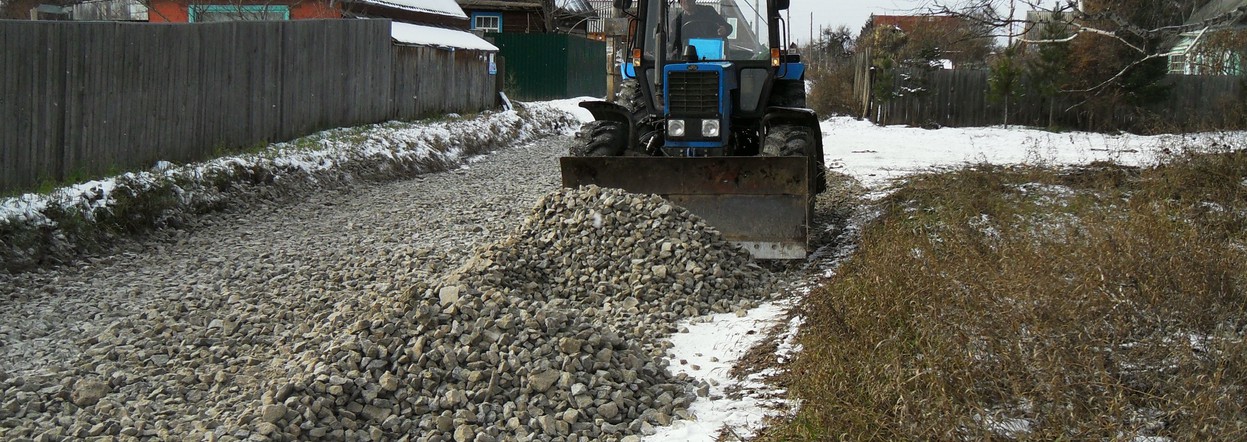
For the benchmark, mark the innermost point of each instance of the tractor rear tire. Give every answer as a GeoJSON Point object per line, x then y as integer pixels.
{"type": "Point", "coordinates": [600, 139]}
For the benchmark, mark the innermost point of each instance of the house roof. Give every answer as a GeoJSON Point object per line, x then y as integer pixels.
{"type": "Point", "coordinates": [1218, 8]}
{"type": "Point", "coordinates": [419, 35]}
{"type": "Point", "coordinates": [501, 5]}
{"type": "Point", "coordinates": [1217, 14]}
{"type": "Point", "coordinates": [438, 7]}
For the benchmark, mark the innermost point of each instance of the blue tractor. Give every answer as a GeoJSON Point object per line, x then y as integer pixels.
{"type": "Point", "coordinates": [711, 116]}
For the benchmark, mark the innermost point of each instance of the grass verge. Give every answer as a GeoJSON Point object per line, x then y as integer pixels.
{"type": "Point", "coordinates": [1026, 303]}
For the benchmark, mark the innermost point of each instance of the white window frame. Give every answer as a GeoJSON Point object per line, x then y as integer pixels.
{"type": "Point", "coordinates": [477, 24]}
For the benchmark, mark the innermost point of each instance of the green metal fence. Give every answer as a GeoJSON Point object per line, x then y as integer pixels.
{"type": "Point", "coordinates": [552, 66]}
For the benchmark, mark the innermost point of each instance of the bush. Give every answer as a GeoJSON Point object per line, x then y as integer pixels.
{"type": "Point", "coordinates": [831, 91]}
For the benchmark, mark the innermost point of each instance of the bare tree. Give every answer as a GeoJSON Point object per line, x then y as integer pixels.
{"type": "Point", "coordinates": [549, 8]}
{"type": "Point", "coordinates": [1118, 50]}
{"type": "Point", "coordinates": [565, 15]}
{"type": "Point", "coordinates": [1138, 27]}
{"type": "Point", "coordinates": [18, 9]}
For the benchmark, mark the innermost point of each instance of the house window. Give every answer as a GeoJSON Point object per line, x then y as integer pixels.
{"type": "Point", "coordinates": [487, 22]}
{"type": "Point", "coordinates": [1177, 64]}
{"type": "Point", "coordinates": [216, 13]}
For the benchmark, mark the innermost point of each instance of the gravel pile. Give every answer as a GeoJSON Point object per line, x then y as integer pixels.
{"type": "Point", "coordinates": [550, 334]}
{"type": "Point", "coordinates": [344, 325]}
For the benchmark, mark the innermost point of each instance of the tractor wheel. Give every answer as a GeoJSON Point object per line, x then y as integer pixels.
{"type": "Point", "coordinates": [600, 139]}
{"type": "Point", "coordinates": [632, 98]}
{"type": "Point", "coordinates": [789, 141]}
{"type": "Point", "coordinates": [797, 141]}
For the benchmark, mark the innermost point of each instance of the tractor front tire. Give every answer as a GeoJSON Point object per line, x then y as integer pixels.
{"type": "Point", "coordinates": [600, 139]}
{"type": "Point", "coordinates": [789, 141]}
{"type": "Point", "coordinates": [631, 97]}
{"type": "Point", "coordinates": [797, 141]}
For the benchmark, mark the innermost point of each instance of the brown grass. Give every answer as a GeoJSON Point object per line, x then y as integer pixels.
{"type": "Point", "coordinates": [991, 303]}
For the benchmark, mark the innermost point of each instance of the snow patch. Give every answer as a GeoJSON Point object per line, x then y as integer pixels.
{"type": "Point", "coordinates": [712, 346]}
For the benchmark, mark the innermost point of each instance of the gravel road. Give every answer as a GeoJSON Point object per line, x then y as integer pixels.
{"type": "Point", "coordinates": [272, 272]}
{"type": "Point", "coordinates": [377, 312]}
{"type": "Point", "coordinates": [335, 245]}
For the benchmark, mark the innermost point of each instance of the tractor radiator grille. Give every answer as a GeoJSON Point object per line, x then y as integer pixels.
{"type": "Point", "coordinates": [693, 94]}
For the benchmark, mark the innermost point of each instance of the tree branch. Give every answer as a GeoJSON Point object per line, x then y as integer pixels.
{"type": "Point", "coordinates": [1118, 75]}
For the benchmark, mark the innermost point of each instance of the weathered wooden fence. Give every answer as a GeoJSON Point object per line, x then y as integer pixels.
{"type": "Point", "coordinates": [84, 99]}
{"type": "Point", "coordinates": [1215, 101]}
{"type": "Point", "coordinates": [960, 98]}
{"type": "Point", "coordinates": [430, 81]}
{"type": "Point", "coordinates": [948, 98]}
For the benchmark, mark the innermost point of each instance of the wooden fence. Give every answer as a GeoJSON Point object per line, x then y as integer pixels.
{"type": "Point", "coordinates": [960, 98]}
{"type": "Point", "coordinates": [432, 81]}
{"type": "Point", "coordinates": [83, 99]}
{"type": "Point", "coordinates": [1215, 101]}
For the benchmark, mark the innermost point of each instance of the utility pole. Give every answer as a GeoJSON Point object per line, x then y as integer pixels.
{"type": "Point", "coordinates": [1012, 10]}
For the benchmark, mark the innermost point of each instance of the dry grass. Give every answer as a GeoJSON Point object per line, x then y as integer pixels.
{"type": "Point", "coordinates": [1104, 303]}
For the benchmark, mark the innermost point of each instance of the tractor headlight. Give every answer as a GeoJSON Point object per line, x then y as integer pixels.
{"type": "Point", "coordinates": [675, 128]}
{"type": "Point", "coordinates": [710, 128]}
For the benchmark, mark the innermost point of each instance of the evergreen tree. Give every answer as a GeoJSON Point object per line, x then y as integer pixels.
{"type": "Point", "coordinates": [1004, 78]}
{"type": "Point", "coordinates": [1047, 72]}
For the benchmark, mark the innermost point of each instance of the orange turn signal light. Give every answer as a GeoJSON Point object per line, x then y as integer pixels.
{"type": "Point", "coordinates": [636, 57]}
{"type": "Point", "coordinates": [774, 57]}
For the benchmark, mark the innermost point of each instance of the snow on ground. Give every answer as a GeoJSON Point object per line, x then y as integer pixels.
{"type": "Point", "coordinates": [323, 151]}
{"type": "Point", "coordinates": [572, 106]}
{"type": "Point", "coordinates": [877, 154]}
{"type": "Point", "coordinates": [708, 351]}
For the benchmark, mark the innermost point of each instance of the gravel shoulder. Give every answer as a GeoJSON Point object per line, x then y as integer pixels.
{"type": "Point", "coordinates": [270, 272]}
{"type": "Point", "coordinates": [339, 240]}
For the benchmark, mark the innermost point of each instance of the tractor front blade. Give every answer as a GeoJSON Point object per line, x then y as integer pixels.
{"type": "Point", "coordinates": [763, 204]}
